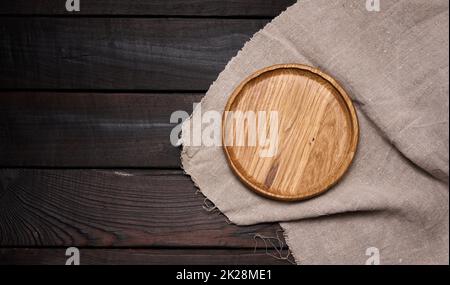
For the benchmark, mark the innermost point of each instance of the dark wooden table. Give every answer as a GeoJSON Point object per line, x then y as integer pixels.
{"type": "Point", "coordinates": [85, 155]}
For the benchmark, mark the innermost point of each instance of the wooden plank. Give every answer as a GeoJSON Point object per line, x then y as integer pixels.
{"type": "Point", "coordinates": [47, 256]}
{"type": "Point", "coordinates": [260, 8]}
{"type": "Point", "coordinates": [114, 208]}
{"type": "Point", "coordinates": [53, 129]}
{"type": "Point", "coordinates": [118, 53]}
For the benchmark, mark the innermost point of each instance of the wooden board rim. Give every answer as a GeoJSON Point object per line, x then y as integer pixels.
{"type": "Point", "coordinates": [344, 165]}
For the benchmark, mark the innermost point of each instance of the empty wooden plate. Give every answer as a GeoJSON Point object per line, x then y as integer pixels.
{"type": "Point", "coordinates": [306, 132]}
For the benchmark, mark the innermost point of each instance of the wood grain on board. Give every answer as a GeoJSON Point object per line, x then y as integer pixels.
{"type": "Point", "coordinates": [310, 143]}
{"type": "Point", "coordinates": [48, 256]}
{"type": "Point", "coordinates": [53, 129]}
{"type": "Point", "coordinates": [98, 91]}
{"type": "Point", "coordinates": [114, 208]}
{"type": "Point", "coordinates": [118, 53]}
{"type": "Point", "coordinates": [195, 8]}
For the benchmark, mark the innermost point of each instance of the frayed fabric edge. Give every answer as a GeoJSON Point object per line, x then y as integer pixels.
{"type": "Point", "coordinates": [277, 244]}
{"type": "Point", "coordinates": [288, 243]}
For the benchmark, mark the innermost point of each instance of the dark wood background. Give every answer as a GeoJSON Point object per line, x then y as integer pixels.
{"type": "Point", "coordinates": [85, 155]}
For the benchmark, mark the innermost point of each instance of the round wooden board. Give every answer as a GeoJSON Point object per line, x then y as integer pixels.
{"type": "Point", "coordinates": [316, 138]}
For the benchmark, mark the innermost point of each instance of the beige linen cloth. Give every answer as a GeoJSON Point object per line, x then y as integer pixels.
{"type": "Point", "coordinates": [395, 198]}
